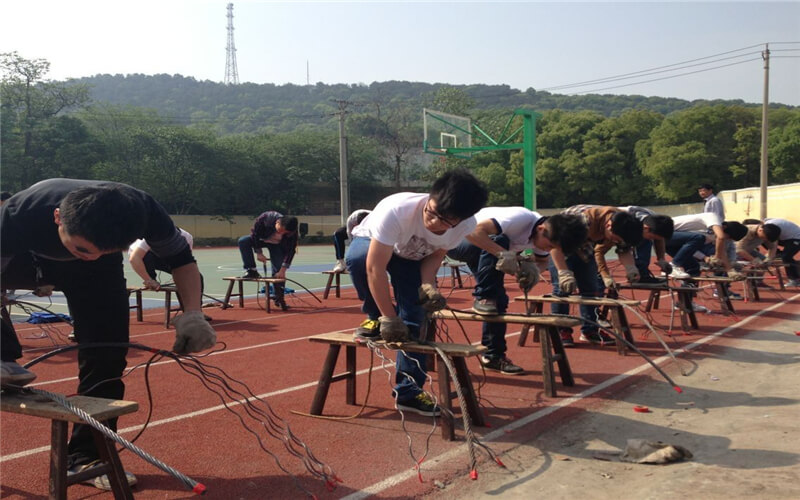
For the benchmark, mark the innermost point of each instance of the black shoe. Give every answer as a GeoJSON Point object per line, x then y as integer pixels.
{"type": "Point", "coordinates": [566, 337]}
{"type": "Point", "coordinates": [282, 304]}
{"type": "Point", "coordinates": [502, 365]}
{"type": "Point", "coordinates": [485, 306]}
{"type": "Point", "coordinates": [652, 280]}
{"type": "Point", "coordinates": [99, 482]}
{"type": "Point", "coordinates": [251, 274]}
{"type": "Point", "coordinates": [71, 337]}
{"type": "Point", "coordinates": [422, 404]}
{"type": "Point", "coordinates": [598, 337]}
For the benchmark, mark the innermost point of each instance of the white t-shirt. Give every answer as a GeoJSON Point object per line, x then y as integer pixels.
{"type": "Point", "coordinates": [397, 221]}
{"type": "Point", "coordinates": [789, 230]}
{"type": "Point", "coordinates": [516, 223]}
{"type": "Point", "coordinates": [351, 221]}
{"type": "Point", "coordinates": [143, 244]}
{"type": "Point", "coordinates": [696, 223]}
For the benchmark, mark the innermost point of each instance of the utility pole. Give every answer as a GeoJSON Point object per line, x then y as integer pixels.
{"type": "Point", "coordinates": [764, 134]}
{"type": "Point", "coordinates": [231, 71]}
{"type": "Point", "coordinates": [344, 188]}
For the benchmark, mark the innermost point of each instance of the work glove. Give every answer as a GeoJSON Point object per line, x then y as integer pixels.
{"type": "Point", "coordinates": [430, 298]}
{"type": "Point", "coordinates": [507, 262]}
{"type": "Point", "coordinates": [665, 266]}
{"type": "Point", "coordinates": [193, 333]}
{"type": "Point", "coordinates": [715, 264]}
{"type": "Point", "coordinates": [393, 329]}
{"type": "Point", "coordinates": [735, 275]}
{"type": "Point", "coordinates": [757, 262]}
{"type": "Point", "coordinates": [527, 275]}
{"type": "Point", "coordinates": [566, 281]}
{"type": "Point", "coordinates": [609, 282]}
{"type": "Point", "coordinates": [632, 274]}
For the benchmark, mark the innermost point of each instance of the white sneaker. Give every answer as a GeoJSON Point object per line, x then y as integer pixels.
{"type": "Point", "coordinates": [340, 266]}
{"type": "Point", "coordinates": [793, 283]}
{"type": "Point", "coordinates": [11, 373]}
{"type": "Point", "coordinates": [695, 307]}
{"type": "Point", "coordinates": [678, 273]}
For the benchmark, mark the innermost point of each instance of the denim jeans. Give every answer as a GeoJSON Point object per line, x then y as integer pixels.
{"type": "Point", "coordinates": [642, 259]}
{"type": "Point", "coordinates": [405, 278]}
{"type": "Point", "coordinates": [682, 246]}
{"type": "Point", "coordinates": [790, 248]}
{"type": "Point", "coordinates": [98, 304]}
{"type": "Point", "coordinates": [489, 285]}
{"type": "Point", "coordinates": [589, 285]}
{"type": "Point", "coordinates": [276, 254]}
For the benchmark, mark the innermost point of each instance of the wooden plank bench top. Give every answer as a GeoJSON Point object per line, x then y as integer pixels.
{"type": "Point", "coordinates": [577, 299]}
{"type": "Point", "coordinates": [41, 406]}
{"type": "Point", "coordinates": [713, 279]}
{"type": "Point", "coordinates": [541, 320]}
{"type": "Point", "coordinates": [240, 280]}
{"type": "Point", "coordinates": [262, 279]}
{"type": "Point", "coordinates": [666, 287]}
{"type": "Point", "coordinates": [457, 350]}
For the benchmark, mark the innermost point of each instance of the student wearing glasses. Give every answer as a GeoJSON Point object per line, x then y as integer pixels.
{"type": "Point", "coordinates": [406, 236]}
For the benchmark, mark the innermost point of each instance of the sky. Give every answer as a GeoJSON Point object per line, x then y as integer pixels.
{"type": "Point", "coordinates": [690, 50]}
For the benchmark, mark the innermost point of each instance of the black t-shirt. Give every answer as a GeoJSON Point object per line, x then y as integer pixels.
{"type": "Point", "coordinates": [27, 223]}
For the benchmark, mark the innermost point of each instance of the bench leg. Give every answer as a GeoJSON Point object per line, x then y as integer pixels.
{"type": "Point", "coordinates": [620, 324]}
{"type": "Point", "coordinates": [116, 474]}
{"type": "Point", "coordinates": [446, 418]}
{"type": "Point", "coordinates": [139, 308]}
{"type": "Point", "coordinates": [724, 298]}
{"type": "Point", "coordinates": [241, 294]}
{"type": "Point", "coordinates": [560, 356]}
{"type": "Point", "coordinates": [652, 300]}
{"type": "Point", "coordinates": [226, 301]}
{"type": "Point", "coordinates": [468, 391]}
{"type": "Point", "coordinates": [167, 307]}
{"type": "Point", "coordinates": [328, 287]}
{"type": "Point", "coordinates": [350, 363]}
{"type": "Point", "coordinates": [318, 403]}
{"type": "Point", "coordinates": [58, 460]}
{"type": "Point", "coordinates": [533, 308]}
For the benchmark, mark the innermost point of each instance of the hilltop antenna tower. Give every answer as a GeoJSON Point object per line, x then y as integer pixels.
{"type": "Point", "coordinates": [231, 72]}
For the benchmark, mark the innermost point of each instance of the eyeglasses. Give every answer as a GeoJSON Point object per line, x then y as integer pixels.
{"type": "Point", "coordinates": [433, 213]}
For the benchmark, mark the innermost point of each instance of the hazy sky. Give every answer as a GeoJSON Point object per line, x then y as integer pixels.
{"type": "Point", "coordinates": [521, 44]}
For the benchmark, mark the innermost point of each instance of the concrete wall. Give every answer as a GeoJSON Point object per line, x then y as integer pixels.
{"type": "Point", "coordinates": [782, 202]}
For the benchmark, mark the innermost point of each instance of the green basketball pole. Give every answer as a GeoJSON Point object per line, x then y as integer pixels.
{"type": "Point", "coordinates": [529, 155]}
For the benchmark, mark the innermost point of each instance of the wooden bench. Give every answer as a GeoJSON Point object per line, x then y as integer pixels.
{"type": "Point", "coordinates": [333, 276]}
{"type": "Point", "coordinates": [168, 309]}
{"type": "Point", "coordinates": [616, 309]}
{"type": "Point", "coordinates": [721, 286]}
{"type": "Point", "coordinates": [457, 353]}
{"type": "Point", "coordinates": [551, 346]}
{"type": "Point", "coordinates": [685, 295]}
{"type": "Point", "coordinates": [138, 304]}
{"type": "Point", "coordinates": [455, 272]}
{"type": "Point", "coordinates": [237, 279]}
{"type": "Point", "coordinates": [27, 403]}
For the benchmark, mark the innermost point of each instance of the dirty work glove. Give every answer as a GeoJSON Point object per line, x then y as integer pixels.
{"type": "Point", "coordinates": [393, 329]}
{"type": "Point", "coordinates": [193, 333]}
{"type": "Point", "coordinates": [632, 274]}
{"type": "Point", "coordinates": [527, 275]}
{"type": "Point", "coordinates": [735, 275]}
{"type": "Point", "coordinates": [609, 282]}
{"type": "Point", "coordinates": [566, 281]}
{"type": "Point", "coordinates": [507, 262]}
{"type": "Point", "coordinates": [757, 262]}
{"type": "Point", "coordinates": [665, 266]}
{"type": "Point", "coordinates": [715, 264]}
{"type": "Point", "coordinates": [430, 298]}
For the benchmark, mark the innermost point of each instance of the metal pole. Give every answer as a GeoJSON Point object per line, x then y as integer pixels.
{"type": "Point", "coordinates": [344, 189]}
{"type": "Point", "coordinates": [764, 134]}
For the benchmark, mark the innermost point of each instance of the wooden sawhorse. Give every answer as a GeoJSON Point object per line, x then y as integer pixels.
{"type": "Point", "coordinates": [616, 308]}
{"type": "Point", "coordinates": [333, 276]}
{"type": "Point", "coordinates": [721, 285]}
{"type": "Point", "coordinates": [27, 403]}
{"type": "Point", "coordinates": [236, 279]}
{"type": "Point", "coordinates": [456, 352]}
{"type": "Point", "coordinates": [685, 295]}
{"type": "Point", "coordinates": [551, 346]}
{"type": "Point", "coordinates": [138, 304]}
{"type": "Point", "coordinates": [455, 272]}
{"type": "Point", "coordinates": [168, 309]}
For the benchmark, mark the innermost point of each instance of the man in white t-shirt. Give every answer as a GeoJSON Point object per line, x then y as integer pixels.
{"type": "Point", "coordinates": [407, 235]}
{"type": "Point", "coordinates": [717, 235]}
{"type": "Point", "coordinates": [491, 251]}
{"type": "Point", "coordinates": [786, 234]}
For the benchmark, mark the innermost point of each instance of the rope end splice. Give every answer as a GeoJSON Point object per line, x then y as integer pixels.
{"type": "Point", "coordinates": [473, 474]}
{"type": "Point", "coordinates": [199, 489]}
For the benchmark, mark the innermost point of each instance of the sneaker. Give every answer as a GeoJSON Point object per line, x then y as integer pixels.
{"type": "Point", "coordinates": [566, 337]}
{"type": "Point", "coordinates": [678, 273]}
{"type": "Point", "coordinates": [369, 329]}
{"type": "Point", "coordinates": [340, 266]}
{"type": "Point", "coordinates": [11, 373]}
{"type": "Point", "coordinates": [604, 323]}
{"type": "Point", "coordinates": [422, 404]}
{"type": "Point", "coordinates": [99, 482]}
{"type": "Point", "coordinates": [485, 306]}
{"type": "Point", "coordinates": [502, 365]}
{"type": "Point", "coordinates": [251, 274]}
{"type": "Point", "coordinates": [793, 283]}
{"type": "Point", "coordinates": [282, 304]}
{"type": "Point", "coordinates": [735, 296]}
{"type": "Point", "coordinates": [598, 338]}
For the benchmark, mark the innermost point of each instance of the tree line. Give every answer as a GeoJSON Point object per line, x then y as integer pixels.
{"type": "Point", "coordinates": [249, 162]}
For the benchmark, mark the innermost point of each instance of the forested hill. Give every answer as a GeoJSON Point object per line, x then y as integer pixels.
{"type": "Point", "coordinates": [273, 108]}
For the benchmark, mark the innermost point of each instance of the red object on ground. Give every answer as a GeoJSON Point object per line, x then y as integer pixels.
{"type": "Point", "coordinates": [641, 409]}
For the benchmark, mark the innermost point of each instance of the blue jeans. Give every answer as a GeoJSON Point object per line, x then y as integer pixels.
{"type": "Point", "coordinates": [405, 278]}
{"type": "Point", "coordinates": [589, 285]}
{"type": "Point", "coordinates": [489, 285]}
{"type": "Point", "coordinates": [790, 248]}
{"type": "Point", "coordinates": [682, 246]}
{"type": "Point", "coordinates": [276, 254]}
{"type": "Point", "coordinates": [642, 258]}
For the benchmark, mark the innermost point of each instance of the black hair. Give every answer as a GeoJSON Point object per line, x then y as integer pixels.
{"type": "Point", "coordinates": [111, 217]}
{"type": "Point", "coordinates": [5, 195]}
{"type": "Point", "coordinates": [660, 225]}
{"type": "Point", "coordinates": [706, 185]}
{"type": "Point", "coordinates": [568, 232]}
{"type": "Point", "coordinates": [458, 194]}
{"type": "Point", "coordinates": [751, 221]}
{"type": "Point", "coordinates": [627, 227]}
{"type": "Point", "coordinates": [288, 222]}
{"type": "Point", "coordinates": [361, 216]}
{"type": "Point", "coordinates": [772, 232]}
{"type": "Point", "coordinates": [735, 230]}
